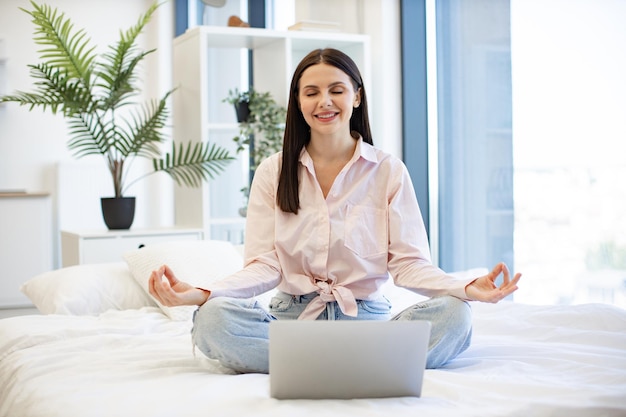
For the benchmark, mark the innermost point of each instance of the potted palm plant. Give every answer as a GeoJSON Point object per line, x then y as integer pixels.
{"type": "Point", "coordinates": [95, 94]}
{"type": "Point", "coordinates": [261, 126]}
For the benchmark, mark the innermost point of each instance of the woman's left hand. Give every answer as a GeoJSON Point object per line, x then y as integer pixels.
{"type": "Point", "coordinates": [484, 288]}
{"type": "Point", "coordinates": [172, 292]}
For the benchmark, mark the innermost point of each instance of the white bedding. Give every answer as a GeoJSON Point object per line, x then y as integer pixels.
{"type": "Point", "coordinates": [524, 361]}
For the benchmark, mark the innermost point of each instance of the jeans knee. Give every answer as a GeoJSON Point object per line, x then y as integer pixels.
{"type": "Point", "coordinates": [233, 331]}
{"type": "Point", "coordinates": [211, 308]}
{"type": "Point", "coordinates": [209, 321]}
{"type": "Point", "coordinates": [451, 333]}
{"type": "Point", "coordinates": [458, 311]}
{"type": "Point", "coordinates": [208, 312]}
{"type": "Point", "coordinates": [222, 321]}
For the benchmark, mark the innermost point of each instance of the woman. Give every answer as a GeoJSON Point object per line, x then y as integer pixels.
{"type": "Point", "coordinates": [330, 218]}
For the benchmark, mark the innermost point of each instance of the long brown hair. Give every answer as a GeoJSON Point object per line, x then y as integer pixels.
{"type": "Point", "coordinates": [297, 132]}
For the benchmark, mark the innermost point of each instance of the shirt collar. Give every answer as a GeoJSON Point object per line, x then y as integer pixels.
{"type": "Point", "coordinates": [363, 150]}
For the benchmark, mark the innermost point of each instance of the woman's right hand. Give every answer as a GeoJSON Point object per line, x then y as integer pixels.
{"type": "Point", "coordinates": [171, 292]}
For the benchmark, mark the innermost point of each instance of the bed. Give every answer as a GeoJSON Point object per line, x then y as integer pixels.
{"type": "Point", "coordinates": [104, 347]}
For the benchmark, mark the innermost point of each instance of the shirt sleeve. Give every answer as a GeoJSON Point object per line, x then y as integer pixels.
{"type": "Point", "coordinates": [261, 270]}
{"type": "Point", "coordinates": [409, 260]}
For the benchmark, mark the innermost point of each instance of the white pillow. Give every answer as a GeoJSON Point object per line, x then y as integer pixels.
{"type": "Point", "coordinates": [197, 262]}
{"type": "Point", "coordinates": [86, 290]}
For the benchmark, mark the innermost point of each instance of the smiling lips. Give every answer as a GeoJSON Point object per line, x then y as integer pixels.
{"type": "Point", "coordinates": [326, 116]}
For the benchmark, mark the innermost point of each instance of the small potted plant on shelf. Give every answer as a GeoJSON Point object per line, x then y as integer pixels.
{"type": "Point", "coordinates": [96, 95]}
{"type": "Point", "coordinates": [261, 127]}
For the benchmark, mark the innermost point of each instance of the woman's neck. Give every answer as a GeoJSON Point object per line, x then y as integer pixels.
{"type": "Point", "coordinates": [329, 158]}
{"type": "Point", "coordinates": [326, 149]}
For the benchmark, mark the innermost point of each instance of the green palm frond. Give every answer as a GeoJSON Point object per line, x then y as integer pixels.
{"type": "Point", "coordinates": [63, 48]}
{"type": "Point", "coordinates": [190, 165]}
{"type": "Point", "coordinates": [46, 95]}
{"type": "Point", "coordinates": [117, 72]}
{"type": "Point", "coordinates": [117, 79]}
{"type": "Point", "coordinates": [54, 90]}
{"type": "Point", "coordinates": [143, 133]}
{"type": "Point", "coordinates": [90, 135]}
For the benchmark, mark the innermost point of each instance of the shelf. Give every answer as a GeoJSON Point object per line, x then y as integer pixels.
{"type": "Point", "coordinates": [105, 233]}
{"type": "Point", "coordinates": [253, 38]}
{"type": "Point", "coordinates": [19, 194]}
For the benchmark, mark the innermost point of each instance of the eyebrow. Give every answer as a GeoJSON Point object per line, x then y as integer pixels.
{"type": "Point", "coordinates": [336, 83]}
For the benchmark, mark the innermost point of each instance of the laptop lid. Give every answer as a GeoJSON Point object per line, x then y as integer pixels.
{"type": "Point", "coordinates": [347, 359]}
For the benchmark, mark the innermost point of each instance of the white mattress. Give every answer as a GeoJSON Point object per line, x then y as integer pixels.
{"type": "Point", "coordinates": [524, 361]}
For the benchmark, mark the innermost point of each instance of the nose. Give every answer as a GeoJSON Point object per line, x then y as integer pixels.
{"type": "Point", "coordinates": [325, 100]}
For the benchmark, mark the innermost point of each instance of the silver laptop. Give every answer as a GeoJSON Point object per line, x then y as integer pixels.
{"type": "Point", "coordinates": [347, 359]}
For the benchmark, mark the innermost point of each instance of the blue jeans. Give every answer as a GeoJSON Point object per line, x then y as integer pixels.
{"type": "Point", "coordinates": [236, 331]}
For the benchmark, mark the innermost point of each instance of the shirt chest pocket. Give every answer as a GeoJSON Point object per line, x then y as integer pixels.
{"type": "Point", "coordinates": [365, 231]}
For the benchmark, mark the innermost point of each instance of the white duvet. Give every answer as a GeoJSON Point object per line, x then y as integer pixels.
{"type": "Point", "coordinates": [524, 361]}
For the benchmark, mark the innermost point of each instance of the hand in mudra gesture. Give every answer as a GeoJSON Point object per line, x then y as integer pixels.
{"type": "Point", "coordinates": [172, 292]}
{"type": "Point", "coordinates": [484, 288]}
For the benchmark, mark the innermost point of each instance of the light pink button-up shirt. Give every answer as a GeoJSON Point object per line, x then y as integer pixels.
{"type": "Point", "coordinates": [343, 246]}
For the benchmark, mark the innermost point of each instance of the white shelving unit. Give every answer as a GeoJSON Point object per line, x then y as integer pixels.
{"type": "Point", "coordinates": [97, 246]}
{"type": "Point", "coordinates": [208, 62]}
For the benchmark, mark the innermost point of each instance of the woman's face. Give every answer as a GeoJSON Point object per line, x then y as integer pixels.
{"type": "Point", "coordinates": [326, 97]}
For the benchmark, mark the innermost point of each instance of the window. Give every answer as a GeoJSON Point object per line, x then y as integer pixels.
{"type": "Point", "coordinates": [530, 143]}
{"type": "Point", "coordinates": [569, 130]}
{"type": "Point", "coordinates": [474, 146]}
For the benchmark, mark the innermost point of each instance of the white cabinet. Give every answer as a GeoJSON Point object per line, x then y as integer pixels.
{"type": "Point", "coordinates": [25, 243]}
{"type": "Point", "coordinates": [208, 62]}
{"type": "Point", "coordinates": [87, 247]}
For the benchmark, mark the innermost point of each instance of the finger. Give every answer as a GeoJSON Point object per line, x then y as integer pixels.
{"type": "Point", "coordinates": [495, 272]}
{"type": "Point", "coordinates": [151, 280]}
{"type": "Point", "coordinates": [163, 289]}
{"type": "Point", "coordinates": [511, 283]}
{"type": "Point", "coordinates": [505, 274]}
{"type": "Point", "coordinates": [511, 287]}
{"type": "Point", "coordinates": [155, 278]}
{"type": "Point", "coordinates": [169, 295]}
{"type": "Point", "coordinates": [169, 274]}
{"type": "Point", "coordinates": [161, 286]}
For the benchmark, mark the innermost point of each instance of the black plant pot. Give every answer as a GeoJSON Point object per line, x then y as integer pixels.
{"type": "Point", "coordinates": [118, 213]}
{"type": "Point", "coordinates": [242, 109]}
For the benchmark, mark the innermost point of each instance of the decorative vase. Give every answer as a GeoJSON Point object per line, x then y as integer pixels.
{"type": "Point", "coordinates": [118, 213]}
{"type": "Point", "coordinates": [242, 109]}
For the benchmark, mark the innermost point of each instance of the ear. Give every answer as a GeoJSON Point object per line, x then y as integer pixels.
{"type": "Point", "coordinates": [357, 98]}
